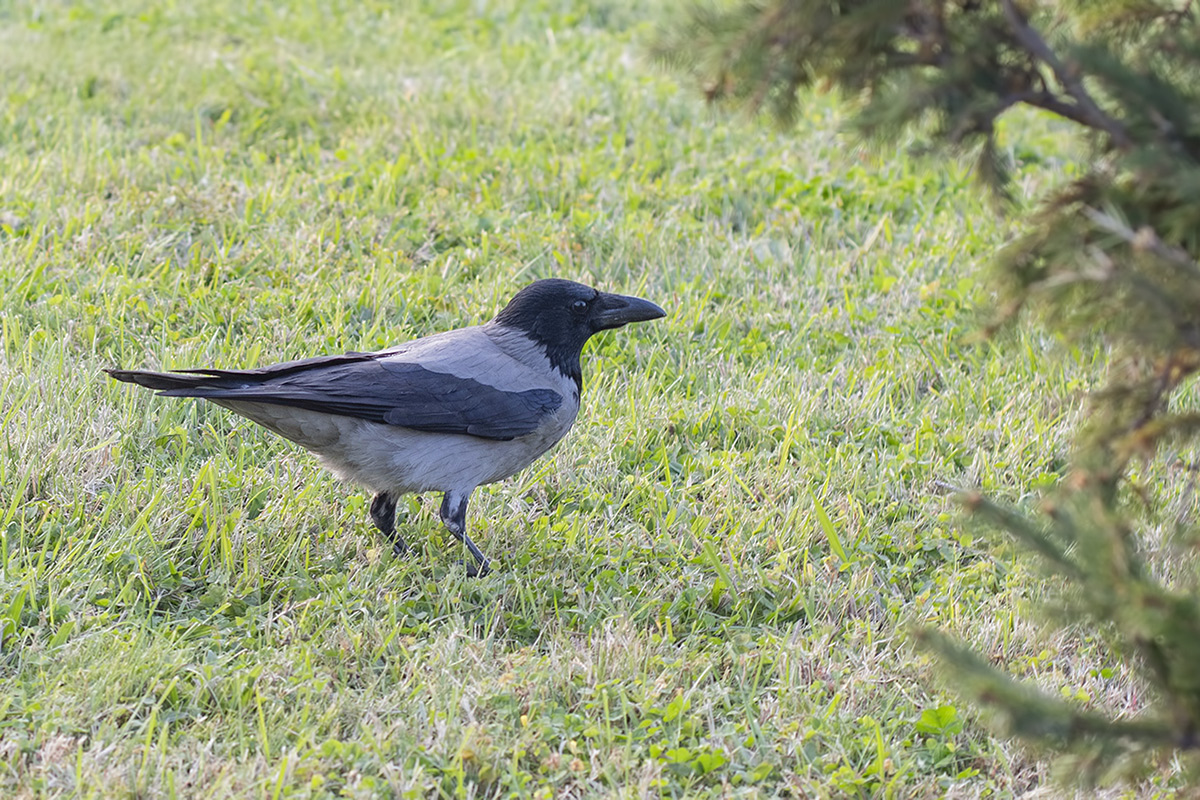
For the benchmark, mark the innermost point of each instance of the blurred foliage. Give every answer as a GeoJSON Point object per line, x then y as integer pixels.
{"type": "Point", "coordinates": [1111, 253]}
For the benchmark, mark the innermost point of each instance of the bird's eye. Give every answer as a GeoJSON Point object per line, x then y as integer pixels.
{"type": "Point", "coordinates": [579, 306]}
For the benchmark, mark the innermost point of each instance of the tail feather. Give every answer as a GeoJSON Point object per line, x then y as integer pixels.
{"type": "Point", "coordinates": [162, 381]}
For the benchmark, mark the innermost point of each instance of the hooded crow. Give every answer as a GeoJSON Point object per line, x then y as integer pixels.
{"type": "Point", "coordinates": [447, 413]}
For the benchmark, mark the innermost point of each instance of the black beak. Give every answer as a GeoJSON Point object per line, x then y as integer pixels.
{"type": "Point", "coordinates": [615, 310]}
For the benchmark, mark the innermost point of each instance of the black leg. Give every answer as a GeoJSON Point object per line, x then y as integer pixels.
{"type": "Point", "coordinates": [383, 514]}
{"type": "Point", "coordinates": [454, 517]}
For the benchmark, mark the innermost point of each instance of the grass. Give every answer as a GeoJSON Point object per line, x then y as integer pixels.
{"type": "Point", "coordinates": [704, 591]}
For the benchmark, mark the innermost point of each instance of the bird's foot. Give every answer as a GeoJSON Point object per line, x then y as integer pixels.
{"type": "Point", "coordinates": [477, 570]}
{"type": "Point", "coordinates": [383, 514]}
{"type": "Point", "coordinates": [454, 517]}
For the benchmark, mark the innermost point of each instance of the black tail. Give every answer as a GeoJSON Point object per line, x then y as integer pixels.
{"type": "Point", "coordinates": [163, 381]}
{"type": "Point", "coordinates": [209, 382]}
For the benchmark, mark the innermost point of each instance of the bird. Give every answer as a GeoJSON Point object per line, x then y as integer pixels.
{"type": "Point", "coordinates": [447, 412]}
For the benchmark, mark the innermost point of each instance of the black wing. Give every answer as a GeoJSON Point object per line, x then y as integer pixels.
{"type": "Point", "coordinates": [363, 385]}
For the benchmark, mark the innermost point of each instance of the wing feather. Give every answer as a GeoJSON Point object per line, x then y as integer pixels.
{"type": "Point", "coordinates": [365, 386]}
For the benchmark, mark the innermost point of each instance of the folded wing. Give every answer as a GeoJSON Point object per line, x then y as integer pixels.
{"type": "Point", "coordinates": [370, 387]}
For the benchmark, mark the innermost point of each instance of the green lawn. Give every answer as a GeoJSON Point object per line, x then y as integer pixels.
{"type": "Point", "coordinates": [706, 589]}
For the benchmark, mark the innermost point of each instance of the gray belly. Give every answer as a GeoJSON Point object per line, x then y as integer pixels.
{"type": "Point", "coordinates": [389, 458]}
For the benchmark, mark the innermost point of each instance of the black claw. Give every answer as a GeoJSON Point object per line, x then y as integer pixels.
{"type": "Point", "coordinates": [480, 570]}
{"type": "Point", "coordinates": [454, 517]}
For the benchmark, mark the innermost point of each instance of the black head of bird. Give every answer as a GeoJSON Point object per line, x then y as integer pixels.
{"type": "Point", "coordinates": [562, 315]}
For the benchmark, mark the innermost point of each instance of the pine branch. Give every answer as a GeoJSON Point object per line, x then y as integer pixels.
{"type": "Point", "coordinates": [1085, 112]}
{"type": "Point", "coordinates": [1034, 713]}
{"type": "Point", "coordinates": [1145, 238]}
{"type": "Point", "coordinates": [1019, 527]}
{"type": "Point", "coordinates": [1048, 101]}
